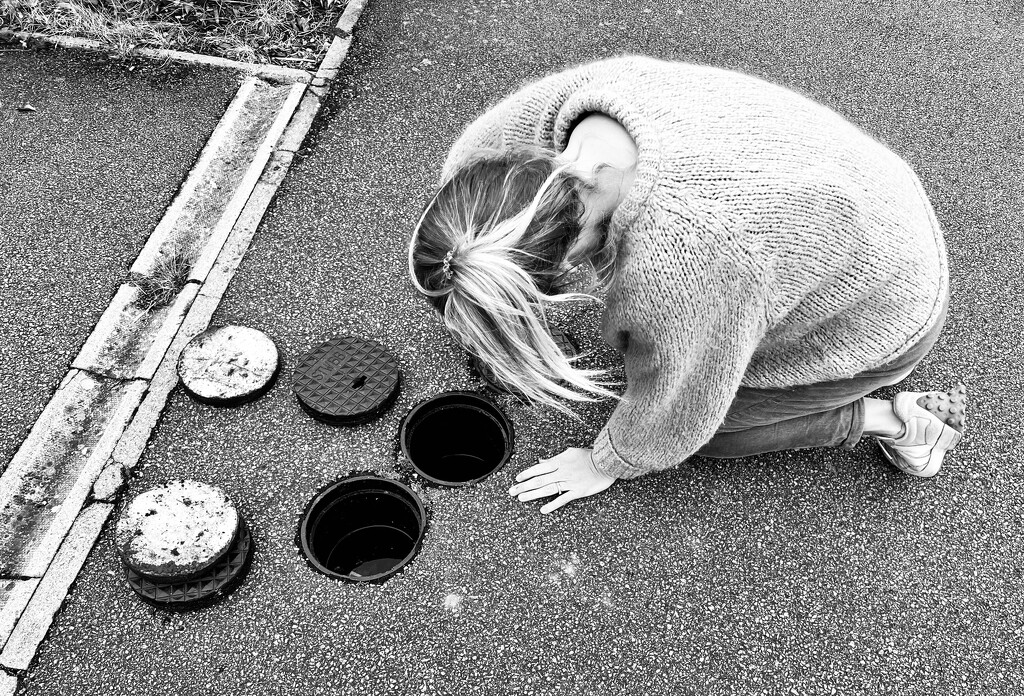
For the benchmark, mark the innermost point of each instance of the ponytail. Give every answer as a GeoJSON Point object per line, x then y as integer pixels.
{"type": "Point", "coordinates": [489, 252]}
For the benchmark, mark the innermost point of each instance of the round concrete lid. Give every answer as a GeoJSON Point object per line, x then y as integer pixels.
{"type": "Point", "coordinates": [347, 380]}
{"type": "Point", "coordinates": [177, 530]}
{"type": "Point", "coordinates": [214, 582]}
{"type": "Point", "coordinates": [228, 365]}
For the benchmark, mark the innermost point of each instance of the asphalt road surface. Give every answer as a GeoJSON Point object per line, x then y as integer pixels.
{"type": "Point", "coordinates": [811, 572]}
{"type": "Point", "coordinates": [84, 179]}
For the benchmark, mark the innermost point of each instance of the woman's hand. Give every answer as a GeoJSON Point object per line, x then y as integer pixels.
{"type": "Point", "coordinates": [571, 474]}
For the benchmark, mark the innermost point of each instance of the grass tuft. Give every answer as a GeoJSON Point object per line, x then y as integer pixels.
{"type": "Point", "coordinates": [168, 277]}
{"type": "Point", "coordinates": [286, 32]}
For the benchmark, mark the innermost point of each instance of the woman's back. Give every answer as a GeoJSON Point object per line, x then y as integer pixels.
{"type": "Point", "coordinates": [830, 226]}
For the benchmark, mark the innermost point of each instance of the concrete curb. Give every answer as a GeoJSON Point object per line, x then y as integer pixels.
{"type": "Point", "coordinates": [53, 588]}
{"type": "Point", "coordinates": [200, 173]}
{"type": "Point", "coordinates": [213, 247]}
{"type": "Point", "coordinates": [335, 55]}
{"type": "Point", "coordinates": [133, 357]}
{"type": "Point", "coordinates": [214, 183]}
{"type": "Point", "coordinates": [15, 595]}
{"type": "Point", "coordinates": [163, 54]}
{"type": "Point", "coordinates": [8, 684]}
{"type": "Point", "coordinates": [129, 342]}
{"type": "Point", "coordinates": [50, 477]}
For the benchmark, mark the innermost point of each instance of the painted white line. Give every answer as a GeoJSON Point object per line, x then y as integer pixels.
{"type": "Point", "coordinates": [53, 588]}
{"type": "Point", "coordinates": [257, 69]}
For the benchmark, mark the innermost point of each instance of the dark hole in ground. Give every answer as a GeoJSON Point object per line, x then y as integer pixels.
{"type": "Point", "coordinates": [457, 439]}
{"type": "Point", "coordinates": [363, 528]}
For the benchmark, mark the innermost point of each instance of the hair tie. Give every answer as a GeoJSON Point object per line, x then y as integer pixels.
{"type": "Point", "coordinates": [446, 265]}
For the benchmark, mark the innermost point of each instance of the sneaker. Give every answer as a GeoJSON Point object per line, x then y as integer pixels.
{"type": "Point", "coordinates": [933, 423]}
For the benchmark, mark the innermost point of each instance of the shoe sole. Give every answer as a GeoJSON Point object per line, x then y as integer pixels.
{"type": "Point", "coordinates": [949, 407]}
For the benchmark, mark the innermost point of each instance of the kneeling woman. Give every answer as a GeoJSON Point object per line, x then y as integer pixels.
{"type": "Point", "coordinates": [766, 266]}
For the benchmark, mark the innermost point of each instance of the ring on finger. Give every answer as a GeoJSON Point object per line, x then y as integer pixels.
{"type": "Point", "coordinates": [558, 487]}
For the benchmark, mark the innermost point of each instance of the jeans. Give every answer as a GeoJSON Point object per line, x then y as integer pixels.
{"type": "Point", "coordinates": [827, 414]}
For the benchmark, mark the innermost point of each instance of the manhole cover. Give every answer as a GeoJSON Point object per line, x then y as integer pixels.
{"type": "Point", "coordinates": [215, 582]}
{"type": "Point", "coordinates": [456, 438]}
{"type": "Point", "coordinates": [177, 530]}
{"type": "Point", "coordinates": [362, 529]}
{"type": "Point", "coordinates": [228, 365]}
{"type": "Point", "coordinates": [346, 381]}
{"type": "Point", "coordinates": [565, 342]}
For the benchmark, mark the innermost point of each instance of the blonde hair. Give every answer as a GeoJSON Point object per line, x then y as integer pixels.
{"type": "Point", "coordinates": [491, 249]}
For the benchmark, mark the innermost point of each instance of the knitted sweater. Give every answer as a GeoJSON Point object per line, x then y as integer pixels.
{"type": "Point", "coordinates": [766, 242]}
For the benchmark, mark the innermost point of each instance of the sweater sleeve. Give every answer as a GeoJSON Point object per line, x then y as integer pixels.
{"type": "Point", "coordinates": [690, 314]}
{"type": "Point", "coordinates": [524, 117]}
{"type": "Point", "coordinates": [483, 133]}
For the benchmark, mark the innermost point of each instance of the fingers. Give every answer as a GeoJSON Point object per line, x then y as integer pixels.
{"type": "Point", "coordinates": [546, 466]}
{"type": "Point", "coordinates": [536, 482]}
{"type": "Point", "coordinates": [559, 476]}
{"type": "Point", "coordinates": [558, 502]}
{"type": "Point", "coordinates": [541, 492]}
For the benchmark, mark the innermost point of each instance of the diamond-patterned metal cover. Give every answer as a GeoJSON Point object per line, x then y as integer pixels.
{"type": "Point", "coordinates": [215, 582]}
{"type": "Point", "coordinates": [347, 380]}
{"type": "Point", "coordinates": [565, 342]}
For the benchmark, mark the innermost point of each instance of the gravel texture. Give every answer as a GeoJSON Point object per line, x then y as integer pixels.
{"type": "Point", "coordinates": [84, 179]}
{"type": "Point", "coordinates": [812, 572]}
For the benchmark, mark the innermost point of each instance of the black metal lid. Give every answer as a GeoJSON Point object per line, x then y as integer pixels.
{"type": "Point", "coordinates": [346, 380]}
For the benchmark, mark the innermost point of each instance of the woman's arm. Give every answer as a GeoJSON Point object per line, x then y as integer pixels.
{"type": "Point", "coordinates": [484, 133]}
{"type": "Point", "coordinates": [694, 312]}
{"type": "Point", "coordinates": [691, 313]}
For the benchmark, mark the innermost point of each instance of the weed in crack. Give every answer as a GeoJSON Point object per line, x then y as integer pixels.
{"type": "Point", "coordinates": [165, 280]}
